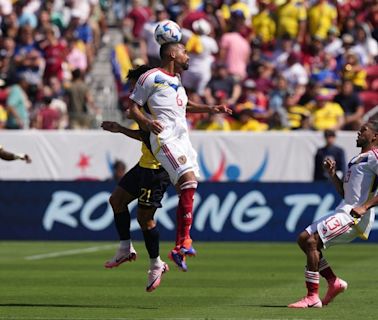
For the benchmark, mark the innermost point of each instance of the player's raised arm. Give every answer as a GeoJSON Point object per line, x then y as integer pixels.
{"type": "Point", "coordinates": [194, 107]}
{"type": "Point", "coordinates": [10, 156]}
{"type": "Point", "coordinates": [330, 166]}
{"type": "Point", "coordinates": [115, 127]}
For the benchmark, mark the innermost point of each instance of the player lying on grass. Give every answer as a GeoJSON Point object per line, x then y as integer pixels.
{"type": "Point", "coordinates": [352, 218]}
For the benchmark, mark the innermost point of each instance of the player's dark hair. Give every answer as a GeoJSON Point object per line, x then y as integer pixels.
{"type": "Point", "coordinates": [166, 48]}
{"type": "Point", "coordinates": [134, 74]}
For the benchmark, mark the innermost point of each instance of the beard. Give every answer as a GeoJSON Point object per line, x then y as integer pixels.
{"type": "Point", "coordinates": [185, 66]}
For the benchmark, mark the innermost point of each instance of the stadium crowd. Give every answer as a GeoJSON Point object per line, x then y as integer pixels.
{"type": "Point", "coordinates": [46, 50]}
{"type": "Point", "coordinates": [279, 64]}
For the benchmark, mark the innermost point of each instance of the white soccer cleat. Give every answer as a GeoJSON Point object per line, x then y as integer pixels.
{"type": "Point", "coordinates": [154, 276]}
{"type": "Point", "coordinates": [122, 255]}
{"type": "Point", "coordinates": [334, 289]}
{"type": "Point", "coordinates": [307, 302]}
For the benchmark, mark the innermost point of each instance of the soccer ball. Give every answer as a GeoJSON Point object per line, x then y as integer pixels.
{"type": "Point", "coordinates": [167, 31]}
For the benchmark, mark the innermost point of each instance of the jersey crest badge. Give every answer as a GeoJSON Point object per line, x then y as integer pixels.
{"type": "Point", "coordinates": [181, 159]}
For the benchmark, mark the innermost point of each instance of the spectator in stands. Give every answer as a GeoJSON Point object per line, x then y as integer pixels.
{"type": "Point", "coordinates": [253, 99]}
{"type": "Point", "coordinates": [353, 71]}
{"type": "Point", "coordinates": [295, 73]}
{"type": "Point", "coordinates": [18, 105]}
{"type": "Point", "coordinates": [331, 151]}
{"type": "Point", "coordinates": [215, 18]}
{"type": "Point", "coordinates": [349, 100]}
{"type": "Point", "coordinates": [10, 26]}
{"type": "Point", "coordinates": [54, 51]}
{"type": "Point", "coordinates": [201, 48]}
{"type": "Point", "coordinates": [222, 81]}
{"type": "Point", "coordinates": [322, 16]}
{"type": "Point", "coordinates": [246, 121]}
{"type": "Point", "coordinates": [333, 44]}
{"type": "Point", "coordinates": [235, 49]}
{"type": "Point", "coordinates": [297, 117]}
{"type": "Point", "coordinates": [327, 114]}
{"type": "Point", "coordinates": [135, 19]}
{"type": "Point", "coordinates": [27, 57]}
{"type": "Point", "coordinates": [263, 25]}
{"type": "Point", "coordinates": [76, 58]}
{"type": "Point", "coordinates": [276, 108]}
{"type": "Point", "coordinates": [291, 20]}
{"type": "Point", "coordinates": [81, 30]}
{"type": "Point", "coordinates": [214, 122]}
{"type": "Point", "coordinates": [148, 45]}
{"type": "Point", "coordinates": [282, 52]}
{"type": "Point", "coordinates": [81, 107]}
{"type": "Point", "coordinates": [47, 116]}
{"type": "Point", "coordinates": [7, 67]}
{"type": "Point", "coordinates": [3, 117]}
{"type": "Point", "coordinates": [365, 45]}
{"type": "Point", "coordinates": [58, 103]}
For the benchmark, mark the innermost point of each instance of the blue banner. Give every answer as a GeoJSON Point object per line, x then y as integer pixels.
{"type": "Point", "coordinates": [230, 211]}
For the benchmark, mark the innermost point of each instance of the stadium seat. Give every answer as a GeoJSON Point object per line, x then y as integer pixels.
{"type": "Point", "coordinates": [369, 99]}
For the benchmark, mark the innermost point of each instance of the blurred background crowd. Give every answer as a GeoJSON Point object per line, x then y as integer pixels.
{"type": "Point", "coordinates": [279, 64]}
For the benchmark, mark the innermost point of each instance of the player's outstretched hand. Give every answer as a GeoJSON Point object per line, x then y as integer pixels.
{"type": "Point", "coordinates": [330, 166]}
{"type": "Point", "coordinates": [111, 126]}
{"type": "Point", "coordinates": [222, 108]}
{"type": "Point", "coordinates": [154, 126]}
{"type": "Point", "coordinates": [27, 159]}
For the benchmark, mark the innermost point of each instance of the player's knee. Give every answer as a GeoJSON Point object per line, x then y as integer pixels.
{"type": "Point", "coordinates": [302, 238]}
{"type": "Point", "coordinates": [146, 219]}
{"type": "Point", "coordinates": [311, 243]}
{"type": "Point", "coordinates": [115, 202]}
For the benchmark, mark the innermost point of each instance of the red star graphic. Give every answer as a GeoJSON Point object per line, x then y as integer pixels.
{"type": "Point", "coordinates": [83, 162]}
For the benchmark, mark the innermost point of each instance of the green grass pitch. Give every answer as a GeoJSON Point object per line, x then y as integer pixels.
{"type": "Point", "coordinates": [227, 280]}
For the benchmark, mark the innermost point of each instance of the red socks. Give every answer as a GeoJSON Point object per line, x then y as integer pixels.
{"type": "Point", "coordinates": [184, 213]}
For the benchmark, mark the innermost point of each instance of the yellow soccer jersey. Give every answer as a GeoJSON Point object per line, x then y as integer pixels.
{"type": "Point", "coordinates": [147, 160]}
{"type": "Point", "coordinates": [320, 19]}
{"type": "Point", "coordinates": [289, 15]}
{"type": "Point", "coordinates": [328, 116]}
{"type": "Point", "coordinates": [264, 26]}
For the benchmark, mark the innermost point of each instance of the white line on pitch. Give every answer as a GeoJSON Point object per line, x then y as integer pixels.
{"type": "Point", "coordinates": [69, 252]}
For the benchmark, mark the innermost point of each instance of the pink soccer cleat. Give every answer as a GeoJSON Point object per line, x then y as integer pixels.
{"type": "Point", "coordinates": [307, 302]}
{"type": "Point", "coordinates": [155, 275]}
{"type": "Point", "coordinates": [120, 257]}
{"type": "Point", "coordinates": [334, 289]}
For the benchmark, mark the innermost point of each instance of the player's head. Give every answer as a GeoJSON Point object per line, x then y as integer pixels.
{"type": "Point", "coordinates": [134, 74]}
{"type": "Point", "coordinates": [174, 52]}
{"type": "Point", "coordinates": [368, 134]}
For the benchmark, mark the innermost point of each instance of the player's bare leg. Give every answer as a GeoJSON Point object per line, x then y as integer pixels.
{"type": "Point", "coordinates": [311, 245]}
{"type": "Point", "coordinates": [126, 252]}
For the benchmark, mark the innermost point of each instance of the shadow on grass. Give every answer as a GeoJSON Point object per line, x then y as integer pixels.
{"type": "Point", "coordinates": [49, 305]}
